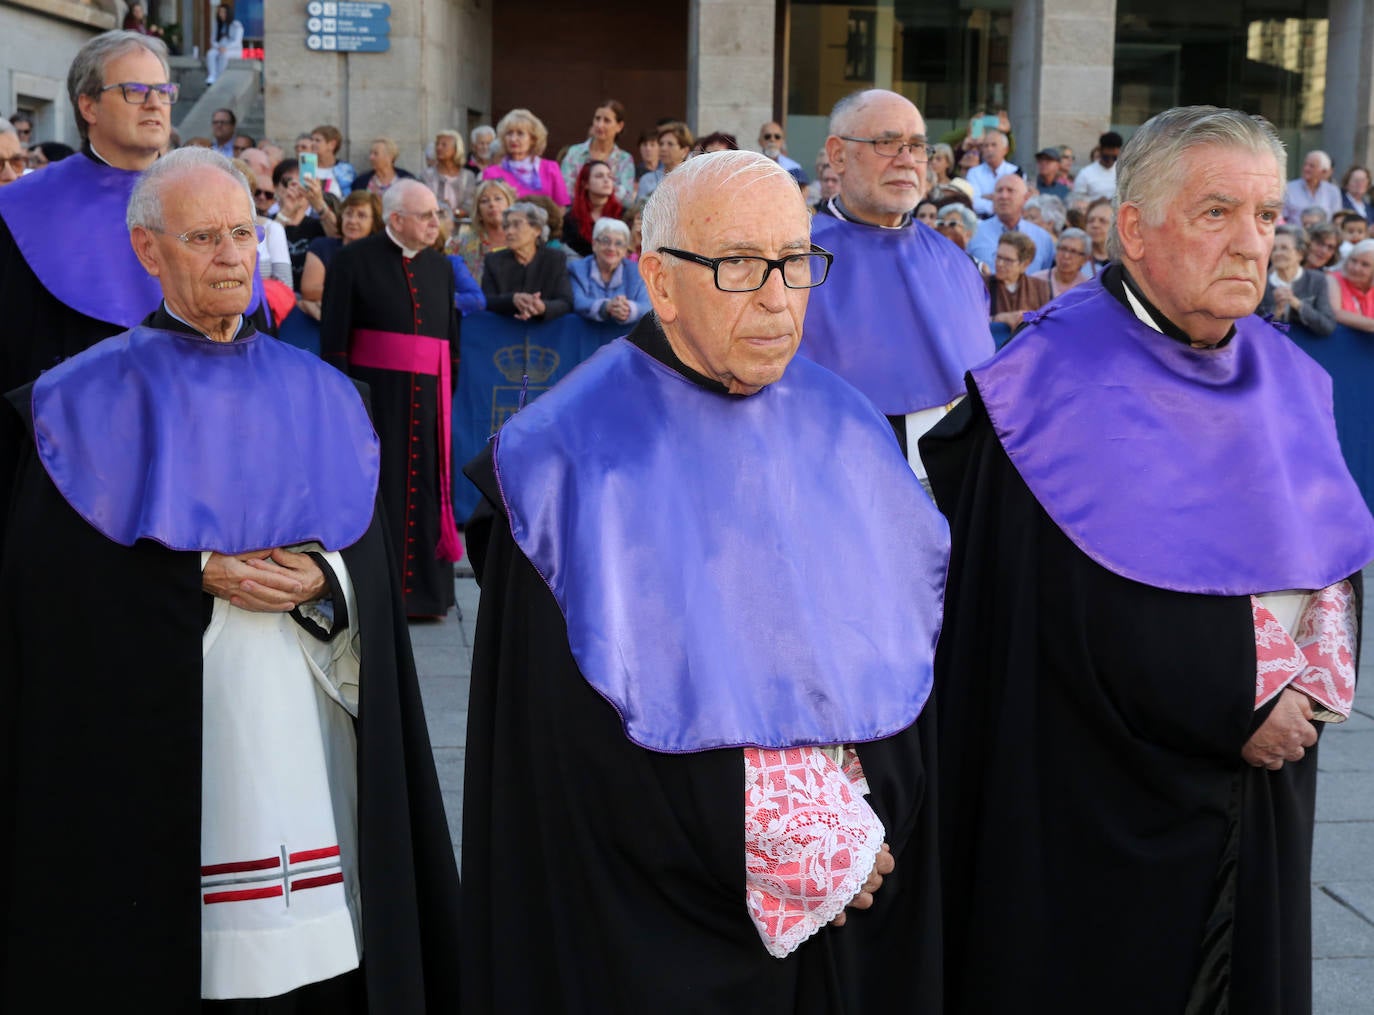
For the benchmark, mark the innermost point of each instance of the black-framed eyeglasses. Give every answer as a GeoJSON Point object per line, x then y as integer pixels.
{"type": "Point", "coordinates": [745, 273]}
{"type": "Point", "coordinates": [772, 137]}
{"type": "Point", "coordinates": [891, 147]}
{"type": "Point", "coordinates": [136, 93]}
{"type": "Point", "coordinates": [205, 240]}
{"type": "Point", "coordinates": [266, 195]}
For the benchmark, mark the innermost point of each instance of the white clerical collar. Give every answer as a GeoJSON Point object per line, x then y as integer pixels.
{"type": "Point", "coordinates": [102, 158]}
{"type": "Point", "coordinates": [838, 209]}
{"type": "Point", "coordinates": [407, 252]}
{"type": "Point", "coordinates": [1139, 310]}
{"type": "Point", "coordinates": [173, 314]}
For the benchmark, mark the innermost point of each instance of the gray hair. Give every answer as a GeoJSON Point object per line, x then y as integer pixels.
{"type": "Point", "coordinates": [843, 113]}
{"type": "Point", "coordinates": [1298, 234]}
{"type": "Point", "coordinates": [1363, 247]}
{"type": "Point", "coordinates": [1316, 211]}
{"type": "Point", "coordinates": [1073, 233]}
{"type": "Point", "coordinates": [661, 225]}
{"type": "Point", "coordinates": [395, 197]}
{"type": "Point", "coordinates": [1322, 157]}
{"type": "Point", "coordinates": [533, 214]}
{"type": "Point", "coordinates": [606, 224]}
{"type": "Point", "coordinates": [145, 203]}
{"type": "Point", "coordinates": [1051, 210]}
{"type": "Point", "coordinates": [1148, 174]}
{"type": "Point", "coordinates": [6, 127]}
{"type": "Point", "coordinates": [87, 73]}
{"type": "Point", "coordinates": [967, 215]}
{"type": "Point", "coordinates": [485, 131]}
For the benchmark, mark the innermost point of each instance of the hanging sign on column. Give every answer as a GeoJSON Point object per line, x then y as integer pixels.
{"type": "Point", "coordinates": [347, 26]}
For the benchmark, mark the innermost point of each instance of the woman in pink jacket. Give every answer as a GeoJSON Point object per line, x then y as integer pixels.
{"type": "Point", "coordinates": [523, 137]}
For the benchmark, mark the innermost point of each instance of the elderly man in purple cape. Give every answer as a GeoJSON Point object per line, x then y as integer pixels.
{"type": "Point", "coordinates": [905, 312]}
{"type": "Point", "coordinates": [67, 275]}
{"type": "Point", "coordinates": [1153, 607]}
{"type": "Point", "coordinates": [215, 779]}
{"type": "Point", "coordinates": [710, 594]}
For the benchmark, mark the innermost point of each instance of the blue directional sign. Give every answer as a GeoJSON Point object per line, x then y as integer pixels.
{"type": "Point", "coordinates": [347, 26]}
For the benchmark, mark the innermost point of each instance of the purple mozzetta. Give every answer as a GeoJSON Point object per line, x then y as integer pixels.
{"type": "Point", "coordinates": [1206, 471]}
{"type": "Point", "coordinates": [68, 222]}
{"type": "Point", "coordinates": [733, 571]}
{"type": "Point", "coordinates": [902, 315]}
{"type": "Point", "coordinates": [140, 434]}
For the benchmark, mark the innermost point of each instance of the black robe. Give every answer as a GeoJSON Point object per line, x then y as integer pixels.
{"type": "Point", "coordinates": [370, 285]}
{"type": "Point", "coordinates": [1101, 836]}
{"type": "Point", "coordinates": [100, 775]}
{"type": "Point", "coordinates": [601, 877]}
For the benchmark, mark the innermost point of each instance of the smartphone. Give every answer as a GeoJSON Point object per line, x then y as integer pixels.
{"type": "Point", "coordinates": [310, 165]}
{"type": "Point", "coordinates": [984, 123]}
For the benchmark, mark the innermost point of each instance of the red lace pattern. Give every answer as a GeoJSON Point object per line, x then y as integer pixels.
{"type": "Point", "coordinates": [1318, 659]}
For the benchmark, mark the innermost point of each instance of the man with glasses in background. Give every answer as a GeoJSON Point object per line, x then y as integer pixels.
{"type": "Point", "coordinates": [13, 160]}
{"type": "Point", "coordinates": [773, 143]}
{"type": "Point", "coordinates": [68, 277]}
{"type": "Point", "coordinates": [222, 124]}
{"type": "Point", "coordinates": [905, 313]}
{"type": "Point", "coordinates": [388, 318]}
{"type": "Point", "coordinates": [704, 568]}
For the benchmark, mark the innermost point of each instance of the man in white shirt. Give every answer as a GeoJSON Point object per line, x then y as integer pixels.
{"type": "Point", "coordinates": [985, 175]}
{"type": "Point", "coordinates": [1312, 188]}
{"type": "Point", "coordinates": [1098, 179]}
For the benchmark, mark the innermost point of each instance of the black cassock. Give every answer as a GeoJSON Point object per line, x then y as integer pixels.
{"type": "Point", "coordinates": [100, 775]}
{"type": "Point", "coordinates": [602, 877]}
{"type": "Point", "coordinates": [1105, 847]}
{"type": "Point", "coordinates": [371, 286]}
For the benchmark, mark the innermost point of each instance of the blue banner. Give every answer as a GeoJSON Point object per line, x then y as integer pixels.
{"type": "Point", "coordinates": [497, 354]}
{"type": "Point", "coordinates": [1348, 356]}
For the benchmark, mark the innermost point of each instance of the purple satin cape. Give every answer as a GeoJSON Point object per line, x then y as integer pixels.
{"type": "Point", "coordinates": [902, 316]}
{"type": "Point", "coordinates": [1207, 471]}
{"type": "Point", "coordinates": [761, 571]}
{"type": "Point", "coordinates": [68, 222]}
{"type": "Point", "coordinates": [200, 445]}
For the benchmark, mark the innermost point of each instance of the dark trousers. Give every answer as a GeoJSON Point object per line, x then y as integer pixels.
{"type": "Point", "coordinates": [341, 995]}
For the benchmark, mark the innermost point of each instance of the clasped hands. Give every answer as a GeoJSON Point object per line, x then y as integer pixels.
{"type": "Point", "coordinates": [1285, 735]}
{"type": "Point", "coordinates": [884, 864]}
{"type": "Point", "coordinates": [264, 581]}
{"type": "Point", "coordinates": [527, 305]}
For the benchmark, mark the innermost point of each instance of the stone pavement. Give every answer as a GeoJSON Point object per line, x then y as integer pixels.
{"type": "Point", "coordinates": [1343, 854]}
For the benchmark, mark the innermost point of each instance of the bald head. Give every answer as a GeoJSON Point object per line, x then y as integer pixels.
{"type": "Point", "coordinates": [877, 188]}
{"type": "Point", "coordinates": [678, 198]}
{"type": "Point", "coordinates": [1009, 198]}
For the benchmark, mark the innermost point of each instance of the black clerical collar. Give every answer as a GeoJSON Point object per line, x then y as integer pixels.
{"type": "Point", "coordinates": [164, 320]}
{"type": "Point", "coordinates": [1116, 280]}
{"type": "Point", "coordinates": [836, 208]}
{"type": "Point", "coordinates": [649, 337]}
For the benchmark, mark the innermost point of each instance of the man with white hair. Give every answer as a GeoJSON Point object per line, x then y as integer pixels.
{"type": "Point", "coordinates": [388, 318]}
{"type": "Point", "coordinates": [215, 780]}
{"type": "Point", "coordinates": [1153, 608]}
{"type": "Point", "coordinates": [1313, 187]}
{"type": "Point", "coordinates": [904, 314]}
{"type": "Point", "coordinates": [692, 750]}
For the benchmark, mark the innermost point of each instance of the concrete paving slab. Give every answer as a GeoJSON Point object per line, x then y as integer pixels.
{"type": "Point", "coordinates": [1343, 851]}
{"type": "Point", "coordinates": [1345, 795]}
{"type": "Point", "coordinates": [1357, 896]}
{"type": "Point", "coordinates": [1346, 752]}
{"type": "Point", "coordinates": [1342, 986]}
{"type": "Point", "coordinates": [1337, 931]}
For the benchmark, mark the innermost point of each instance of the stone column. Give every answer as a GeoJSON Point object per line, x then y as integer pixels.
{"type": "Point", "coordinates": [1062, 53]}
{"type": "Point", "coordinates": [1348, 108]}
{"type": "Point", "coordinates": [438, 68]}
{"type": "Point", "coordinates": [730, 67]}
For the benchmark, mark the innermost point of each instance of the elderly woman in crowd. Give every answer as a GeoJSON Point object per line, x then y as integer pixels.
{"type": "Point", "coordinates": [527, 280]}
{"type": "Point", "coordinates": [482, 140]}
{"type": "Point", "coordinates": [957, 223]}
{"type": "Point", "coordinates": [384, 172]}
{"type": "Point", "coordinates": [605, 288]}
{"type": "Point", "coordinates": [1355, 193]}
{"type": "Point", "coordinates": [674, 145]}
{"type": "Point", "coordinates": [487, 232]}
{"type": "Point", "coordinates": [594, 197]}
{"type": "Point", "coordinates": [1070, 257]}
{"type": "Point", "coordinates": [1047, 211]}
{"type": "Point", "coordinates": [451, 183]}
{"type": "Point", "coordinates": [1323, 248]}
{"type": "Point", "coordinates": [523, 140]}
{"type": "Point", "coordinates": [1099, 229]}
{"type": "Point", "coordinates": [1012, 291]}
{"type": "Point", "coordinates": [361, 216]}
{"type": "Point", "coordinates": [1351, 289]}
{"type": "Point", "coordinates": [1293, 293]}
{"type": "Point", "coordinates": [608, 121]}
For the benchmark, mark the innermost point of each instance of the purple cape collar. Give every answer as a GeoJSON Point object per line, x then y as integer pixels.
{"type": "Point", "coordinates": [1207, 471]}
{"type": "Point", "coordinates": [68, 222]}
{"type": "Point", "coordinates": [733, 571]}
{"type": "Point", "coordinates": [901, 317]}
{"type": "Point", "coordinates": [201, 445]}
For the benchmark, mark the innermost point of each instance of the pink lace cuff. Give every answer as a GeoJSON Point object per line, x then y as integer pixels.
{"type": "Point", "coordinates": [1319, 659]}
{"type": "Point", "coordinates": [810, 841]}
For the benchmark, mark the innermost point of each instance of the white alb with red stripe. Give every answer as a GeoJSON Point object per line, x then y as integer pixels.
{"type": "Point", "coordinates": [279, 886]}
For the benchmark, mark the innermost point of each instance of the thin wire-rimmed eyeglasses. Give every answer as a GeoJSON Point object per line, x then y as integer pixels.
{"type": "Point", "coordinates": [136, 93]}
{"type": "Point", "coordinates": [745, 273]}
{"type": "Point", "coordinates": [891, 147]}
{"type": "Point", "coordinates": [242, 237]}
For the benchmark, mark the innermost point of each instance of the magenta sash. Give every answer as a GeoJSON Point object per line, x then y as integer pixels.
{"type": "Point", "coordinates": [419, 354]}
